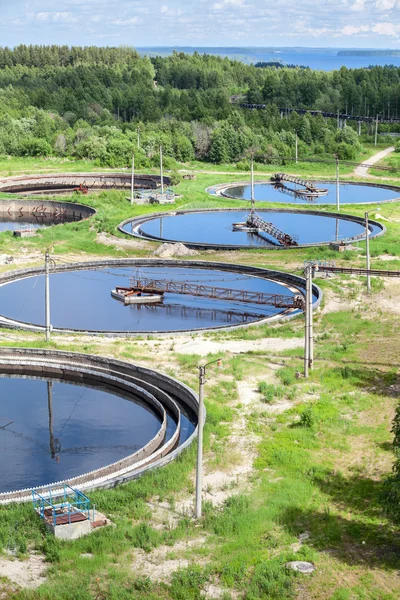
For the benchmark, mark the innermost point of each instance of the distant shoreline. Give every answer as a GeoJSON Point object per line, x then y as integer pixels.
{"type": "Point", "coordinates": [383, 53]}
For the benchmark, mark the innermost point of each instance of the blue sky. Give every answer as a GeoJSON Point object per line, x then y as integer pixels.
{"type": "Point", "coordinates": [312, 23]}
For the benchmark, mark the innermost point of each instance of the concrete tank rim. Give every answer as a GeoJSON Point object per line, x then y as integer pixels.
{"type": "Point", "coordinates": [7, 182]}
{"type": "Point", "coordinates": [139, 220]}
{"type": "Point", "coordinates": [218, 190]}
{"type": "Point", "coordinates": [70, 206]}
{"type": "Point", "coordinates": [9, 277]}
{"type": "Point", "coordinates": [24, 495]}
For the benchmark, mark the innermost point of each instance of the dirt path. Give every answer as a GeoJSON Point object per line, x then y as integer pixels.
{"type": "Point", "coordinates": [362, 169]}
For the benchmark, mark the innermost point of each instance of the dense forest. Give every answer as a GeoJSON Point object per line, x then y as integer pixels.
{"type": "Point", "coordinates": [105, 103]}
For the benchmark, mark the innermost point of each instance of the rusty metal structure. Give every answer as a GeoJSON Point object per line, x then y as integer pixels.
{"type": "Point", "coordinates": [62, 183]}
{"type": "Point", "coordinates": [309, 188]}
{"type": "Point", "coordinates": [254, 221]}
{"type": "Point", "coordinates": [161, 286]}
{"type": "Point", "coordinates": [357, 271]}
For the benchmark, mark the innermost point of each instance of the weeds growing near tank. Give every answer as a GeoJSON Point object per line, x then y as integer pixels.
{"type": "Point", "coordinates": [320, 464]}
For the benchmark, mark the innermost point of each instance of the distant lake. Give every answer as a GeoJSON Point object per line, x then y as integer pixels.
{"type": "Point", "coordinates": [319, 59]}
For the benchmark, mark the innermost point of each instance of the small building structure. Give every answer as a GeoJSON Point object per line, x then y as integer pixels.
{"type": "Point", "coordinates": [66, 512]}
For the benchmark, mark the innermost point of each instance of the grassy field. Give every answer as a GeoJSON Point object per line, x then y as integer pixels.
{"type": "Point", "coordinates": [294, 468]}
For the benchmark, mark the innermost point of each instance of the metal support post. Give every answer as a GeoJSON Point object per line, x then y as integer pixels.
{"type": "Point", "coordinates": [161, 171]}
{"type": "Point", "coordinates": [310, 320]}
{"type": "Point", "coordinates": [138, 137]}
{"type": "Point", "coordinates": [368, 260]}
{"type": "Point", "coordinates": [306, 327]}
{"type": "Point", "coordinates": [376, 130]}
{"type": "Point", "coordinates": [200, 427]}
{"type": "Point", "coordinates": [337, 185]}
{"type": "Point", "coordinates": [132, 177]}
{"type": "Point", "coordinates": [359, 127]}
{"type": "Point", "coordinates": [338, 119]}
{"type": "Point", "coordinates": [297, 149]}
{"type": "Point", "coordinates": [199, 471]}
{"type": "Point", "coordinates": [47, 296]}
{"type": "Point", "coordinates": [252, 182]}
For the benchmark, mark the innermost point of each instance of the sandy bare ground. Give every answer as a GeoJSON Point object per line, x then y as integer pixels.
{"type": "Point", "coordinates": [162, 562]}
{"type": "Point", "coordinates": [204, 346]}
{"type": "Point", "coordinates": [28, 573]}
{"type": "Point", "coordinates": [362, 169]}
{"type": "Point", "coordinates": [127, 244]}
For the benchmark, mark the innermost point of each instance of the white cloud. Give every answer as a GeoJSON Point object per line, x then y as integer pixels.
{"type": "Point", "coordinates": [385, 4]}
{"type": "Point", "coordinates": [126, 22]}
{"type": "Point", "coordinates": [358, 6]}
{"type": "Point", "coordinates": [55, 17]}
{"type": "Point", "coordinates": [226, 3]}
{"type": "Point", "coordinates": [386, 29]}
{"type": "Point", "coordinates": [351, 30]}
{"type": "Point", "coordinates": [170, 12]}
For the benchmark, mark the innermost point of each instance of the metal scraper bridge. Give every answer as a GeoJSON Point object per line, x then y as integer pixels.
{"type": "Point", "coordinates": [161, 286]}
{"type": "Point", "coordinates": [254, 221]}
{"type": "Point", "coordinates": [309, 187]}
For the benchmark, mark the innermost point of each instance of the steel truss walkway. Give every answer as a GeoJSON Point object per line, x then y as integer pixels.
{"type": "Point", "coordinates": [255, 221]}
{"type": "Point", "coordinates": [357, 271]}
{"type": "Point", "coordinates": [157, 286]}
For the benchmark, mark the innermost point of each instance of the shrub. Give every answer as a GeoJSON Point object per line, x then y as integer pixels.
{"type": "Point", "coordinates": [286, 376]}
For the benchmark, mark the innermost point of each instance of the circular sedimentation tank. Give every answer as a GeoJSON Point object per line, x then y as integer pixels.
{"type": "Point", "coordinates": [89, 421]}
{"type": "Point", "coordinates": [213, 228]}
{"type": "Point", "coordinates": [20, 214]}
{"type": "Point", "coordinates": [82, 300]}
{"type": "Point", "coordinates": [350, 192]}
{"type": "Point", "coordinates": [81, 183]}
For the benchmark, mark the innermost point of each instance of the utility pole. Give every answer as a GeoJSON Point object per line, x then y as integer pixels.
{"type": "Point", "coordinates": [297, 149]}
{"type": "Point", "coordinates": [133, 177]}
{"type": "Point", "coordinates": [310, 320]}
{"type": "Point", "coordinates": [337, 184]}
{"type": "Point", "coordinates": [368, 259]}
{"type": "Point", "coordinates": [376, 130]}
{"type": "Point", "coordinates": [306, 327]}
{"type": "Point", "coordinates": [200, 426]}
{"type": "Point", "coordinates": [252, 182]}
{"type": "Point", "coordinates": [161, 171]}
{"type": "Point", "coordinates": [47, 295]}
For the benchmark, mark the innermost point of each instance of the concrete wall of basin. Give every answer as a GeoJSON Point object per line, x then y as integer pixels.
{"type": "Point", "coordinates": [115, 374]}
{"type": "Point", "coordinates": [288, 279]}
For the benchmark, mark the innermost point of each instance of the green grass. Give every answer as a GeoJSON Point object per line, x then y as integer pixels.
{"type": "Point", "coordinates": [319, 468]}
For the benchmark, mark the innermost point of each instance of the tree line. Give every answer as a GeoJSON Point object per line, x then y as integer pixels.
{"type": "Point", "coordinates": [105, 103]}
